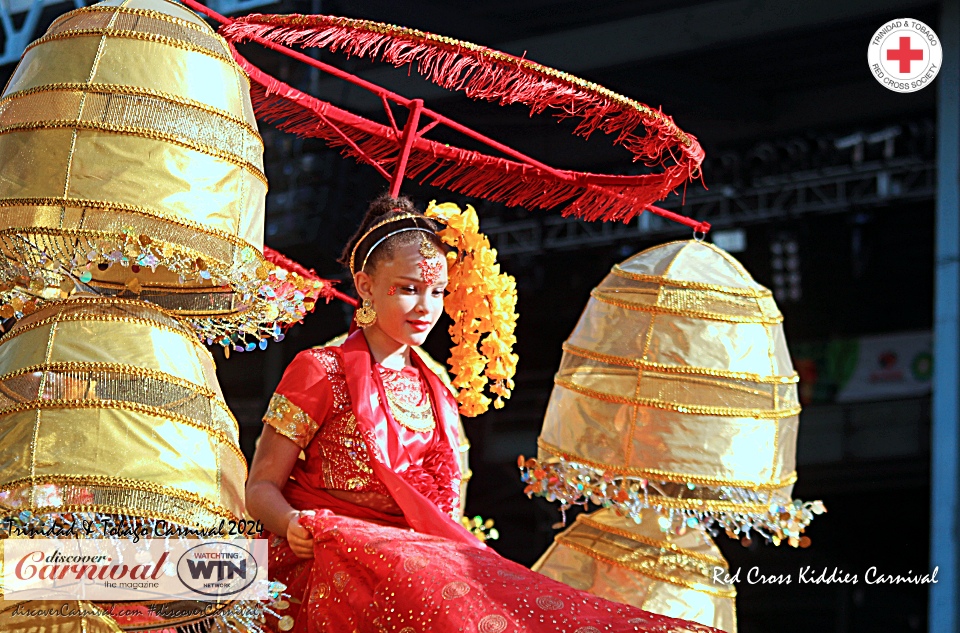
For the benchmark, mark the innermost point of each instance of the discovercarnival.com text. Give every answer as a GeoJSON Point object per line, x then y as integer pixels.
{"type": "Point", "coordinates": [165, 610]}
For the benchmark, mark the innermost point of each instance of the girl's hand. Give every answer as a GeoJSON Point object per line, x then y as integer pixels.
{"type": "Point", "coordinates": [298, 537]}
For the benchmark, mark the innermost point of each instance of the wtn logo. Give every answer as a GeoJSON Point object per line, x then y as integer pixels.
{"type": "Point", "coordinates": [218, 569]}
{"type": "Point", "coordinates": [225, 569]}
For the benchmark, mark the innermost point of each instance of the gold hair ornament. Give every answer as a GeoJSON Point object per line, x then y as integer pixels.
{"type": "Point", "coordinates": [396, 218]}
{"type": "Point", "coordinates": [482, 303]}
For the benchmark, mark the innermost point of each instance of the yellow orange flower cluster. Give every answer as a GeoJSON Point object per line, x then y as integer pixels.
{"type": "Point", "coordinates": [482, 302]}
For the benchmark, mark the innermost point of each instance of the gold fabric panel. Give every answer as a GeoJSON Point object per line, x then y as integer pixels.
{"type": "Point", "coordinates": [28, 171]}
{"type": "Point", "coordinates": [72, 64]}
{"type": "Point", "coordinates": [105, 336]}
{"type": "Point", "coordinates": [214, 81]}
{"type": "Point", "coordinates": [232, 478]}
{"type": "Point", "coordinates": [139, 21]}
{"type": "Point", "coordinates": [128, 445]}
{"type": "Point", "coordinates": [16, 450]}
{"type": "Point", "coordinates": [96, 107]}
{"type": "Point", "coordinates": [718, 395]}
{"type": "Point", "coordinates": [616, 559]}
{"type": "Point", "coordinates": [627, 438]}
{"type": "Point", "coordinates": [121, 443]}
{"type": "Point", "coordinates": [198, 189]}
{"type": "Point", "coordinates": [744, 347]}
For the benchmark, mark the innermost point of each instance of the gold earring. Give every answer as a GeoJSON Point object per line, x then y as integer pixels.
{"type": "Point", "coordinates": [366, 315]}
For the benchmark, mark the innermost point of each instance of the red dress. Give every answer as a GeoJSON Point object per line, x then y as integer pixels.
{"type": "Point", "coordinates": [407, 566]}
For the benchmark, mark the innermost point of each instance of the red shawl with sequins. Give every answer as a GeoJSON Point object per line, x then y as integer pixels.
{"type": "Point", "coordinates": [369, 406]}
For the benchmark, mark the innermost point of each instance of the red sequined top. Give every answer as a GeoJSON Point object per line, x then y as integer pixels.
{"type": "Point", "coordinates": [312, 407]}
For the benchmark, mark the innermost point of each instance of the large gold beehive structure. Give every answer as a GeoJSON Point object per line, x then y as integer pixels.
{"type": "Point", "coordinates": [676, 392]}
{"type": "Point", "coordinates": [110, 406]}
{"type": "Point", "coordinates": [131, 230]}
{"type": "Point", "coordinates": [130, 161]}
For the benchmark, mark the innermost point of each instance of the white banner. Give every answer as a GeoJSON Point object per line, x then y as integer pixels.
{"type": "Point", "coordinates": [890, 366]}
{"type": "Point", "coordinates": [119, 569]}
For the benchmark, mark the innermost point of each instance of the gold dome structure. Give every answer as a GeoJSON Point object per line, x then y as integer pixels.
{"type": "Point", "coordinates": [112, 407]}
{"type": "Point", "coordinates": [676, 392]}
{"type": "Point", "coordinates": [130, 161]}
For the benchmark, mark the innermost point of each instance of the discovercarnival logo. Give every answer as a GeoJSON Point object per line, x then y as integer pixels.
{"type": "Point", "coordinates": [118, 569]}
{"type": "Point", "coordinates": [905, 55]}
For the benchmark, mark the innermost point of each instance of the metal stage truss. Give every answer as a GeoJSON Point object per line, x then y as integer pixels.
{"type": "Point", "coordinates": [790, 195]}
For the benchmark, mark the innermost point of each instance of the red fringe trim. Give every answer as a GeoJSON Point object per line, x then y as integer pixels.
{"type": "Point", "coordinates": [484, 73]}
{"type": "Point", "coordinates": [588, 196]}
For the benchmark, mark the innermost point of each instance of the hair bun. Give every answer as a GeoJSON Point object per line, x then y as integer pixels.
{"type": "Point", "coordinates": [385, 204]}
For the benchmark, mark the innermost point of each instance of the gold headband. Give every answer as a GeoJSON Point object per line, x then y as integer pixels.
{"type": "Point", "coordinates": [397, 218]}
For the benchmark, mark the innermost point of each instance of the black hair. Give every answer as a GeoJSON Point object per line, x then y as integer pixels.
{"type": "Point", "coordinates": [382, 208]}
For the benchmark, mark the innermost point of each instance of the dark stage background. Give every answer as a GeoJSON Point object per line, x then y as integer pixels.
{"type": "Point", "coordinates": [803, 146]}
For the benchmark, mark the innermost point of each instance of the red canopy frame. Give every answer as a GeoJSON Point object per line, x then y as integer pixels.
{"type": "Point", "coordinates": [397, 154]}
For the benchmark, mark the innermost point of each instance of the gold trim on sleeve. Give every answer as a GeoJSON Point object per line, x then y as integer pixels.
{"type": "Point", "coordinates": [290, 420]}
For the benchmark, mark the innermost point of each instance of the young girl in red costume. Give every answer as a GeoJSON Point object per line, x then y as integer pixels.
{"type": "Point", "coordinates": [362, 530]}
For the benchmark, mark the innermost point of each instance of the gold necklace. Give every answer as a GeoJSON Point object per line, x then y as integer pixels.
{"type": "Point", "coordinates": [416, 417]}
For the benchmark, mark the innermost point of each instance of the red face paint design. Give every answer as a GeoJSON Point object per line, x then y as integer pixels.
{"type": "Point", "coordinates": [392, 290]}
{"type": "Point", "coordinates": [430, 271]}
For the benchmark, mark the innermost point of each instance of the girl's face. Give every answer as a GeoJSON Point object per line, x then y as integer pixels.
{"type": "Point", "coordinates": [407, 293]}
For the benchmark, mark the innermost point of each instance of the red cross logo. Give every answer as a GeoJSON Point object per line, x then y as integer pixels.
{"type": "Point", "coordinates": [905, 54]}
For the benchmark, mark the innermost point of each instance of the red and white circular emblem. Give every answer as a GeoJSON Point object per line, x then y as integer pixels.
{"type": "Point", "coordinates": [905, 55]}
